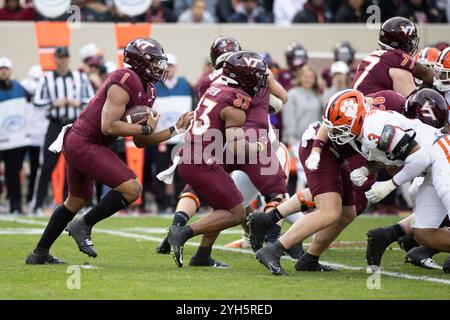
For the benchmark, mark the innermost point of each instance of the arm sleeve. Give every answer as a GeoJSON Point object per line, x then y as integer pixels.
{"type": "Point", "coordinates": [415, 164]}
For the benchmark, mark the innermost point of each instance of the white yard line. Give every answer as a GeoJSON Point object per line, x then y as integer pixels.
{"type": "Point", "coordinates": [157, 239]}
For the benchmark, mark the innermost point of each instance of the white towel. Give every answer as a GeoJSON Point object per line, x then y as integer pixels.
{"type": "Point", "coordinates": [56, 146]}
{"type": "Point", "coordinates": [166, 176]}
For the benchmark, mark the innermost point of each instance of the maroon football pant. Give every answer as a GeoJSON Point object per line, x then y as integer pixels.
{"type": "Point", "coordinates": [87, 162]}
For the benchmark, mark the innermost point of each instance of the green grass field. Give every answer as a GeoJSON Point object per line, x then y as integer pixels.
{"type": "Point", "coordinates": [129, 268]}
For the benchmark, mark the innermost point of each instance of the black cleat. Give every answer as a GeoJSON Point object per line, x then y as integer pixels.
{"type": "Point", "coordinates": [176, 240]}
{"type": "Point", "coordinates": [377, 244]}
{"type": "Point", "coordinates": [269, 257]}
{"type": "Point", "coordinates": [422, 257]}
{"type": "Point", "coordinates": [446, 266]}
{"type": "Point", "coordinates": [208, 262]}
{"type": "Point", "coordinates": [310, 265]}
{"type": "Point", "coordinates": [81, 232]}
{"type": "Point", "coordinates": [407, 243]}
{"type": "Point", "coordinates": [258, 223]}
{"type": "Point", "coordinates": [164, 247]}
{"type": "Point", "coordinates": [36, 258]}
{"type": "Point", "coordinates": [296, 251]}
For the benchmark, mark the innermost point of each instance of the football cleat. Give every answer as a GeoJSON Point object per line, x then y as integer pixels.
{"type": "Point", "coordinates": [422, 257]}
{"type": "Point", "coordinates": [407, 243]}
{"type": "Point", "coordinates": [35, 258]}
{"type": "Point", "coordinates": [269, 257]}
{"type": "Point", "coordinates": [81, 232]}
{"type": "Point", "coordinates": [377, 244]}
{"type": "Point", "coordinates": [164, 247]}
{"type": "Point", "coordinates": [244, 242]}
{"type": "Point", "coordinates": [296, 251]}
{"type": "Point", "coordinates": [305, 264]}
{"type": "Point", "coordinates": [176, 240]}
{"type": "Point", "coordinates": [258, 223]}
{"type": "Point", "coordinates": [208, 262]}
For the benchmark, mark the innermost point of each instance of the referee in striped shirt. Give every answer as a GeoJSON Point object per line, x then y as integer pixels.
{"type": "Point", "coordinates": [64, 93]}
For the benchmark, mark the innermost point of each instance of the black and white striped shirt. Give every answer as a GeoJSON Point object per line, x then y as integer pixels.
{"type": "Point", "coordinates": [53, 86]}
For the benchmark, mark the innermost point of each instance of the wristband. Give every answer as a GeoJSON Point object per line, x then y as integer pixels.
{"type": "Point", "coordinates": [318, 144]}
{"type": "Point", "coordinates": [146, 130]}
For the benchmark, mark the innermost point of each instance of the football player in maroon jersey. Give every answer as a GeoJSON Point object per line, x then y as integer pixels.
{"type": "Point", "coordinates": [272, 187]}
{"type": "Point", "coordinates": [329, 185]}
{"type": "Point", "coordinates": [219, 118]}
{"type": "Point", "coordinates": [88, 158]}
{"type": "Point", "coordinates": [392, 67]}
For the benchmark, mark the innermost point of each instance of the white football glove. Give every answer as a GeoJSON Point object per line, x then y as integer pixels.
{"type": "Point", "coordinates": [380, 190]}
{"type": "Point", "coordinates": [359, 176]}
{"type": "Point", "coordinates": [312, 163]}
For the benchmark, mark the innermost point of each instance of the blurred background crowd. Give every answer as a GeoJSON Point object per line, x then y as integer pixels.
{"type": "Point", "coordinates": [282, 12]}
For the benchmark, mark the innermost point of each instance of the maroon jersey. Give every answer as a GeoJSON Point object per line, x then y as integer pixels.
{"type": "Point", "coordinates": [88, 123]}
{"type": "Point", "coordinates": [372, 74]}
{"type": "Point", "coordinates": [207, 122]}
{"type": "Point", "coordinates": [205, 82]}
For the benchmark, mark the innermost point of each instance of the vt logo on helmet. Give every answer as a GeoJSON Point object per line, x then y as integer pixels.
{"type": "Point", "coordinates": [146, 57]}
{"type": "Point", "coordinates": [344, 115]}
{"type": "Point", "coordinates": [246, 70]}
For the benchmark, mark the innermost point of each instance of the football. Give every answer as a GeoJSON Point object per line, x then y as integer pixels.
{"type": "Point", "coordinates": [137, 114]}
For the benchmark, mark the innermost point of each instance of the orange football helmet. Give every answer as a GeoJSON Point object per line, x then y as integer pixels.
{"type": "Point", "coordinates": [428, 56]}
{"type": "Point", "coordinates": [442, 71]}
{"type": "Point", "coordinates": [344, 115]}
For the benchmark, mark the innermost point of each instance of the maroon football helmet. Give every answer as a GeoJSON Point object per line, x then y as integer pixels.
{"type": "Point", "coordinates": [147, 58]}
{"type": "Point", "coordinates": [428, 106]}
{"type": "Point", "coordinates": [296, 56]}
{"type": "Point", "coordinates": [343, 51]}
{"type": "Point", "coordinates": [247, 70]}
{"type": "Point", "coordinates": [399, 33]}
{"type": "Point", "coordinates": [221, 48]}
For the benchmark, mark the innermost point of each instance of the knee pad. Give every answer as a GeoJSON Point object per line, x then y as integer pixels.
{"type": "Point", "coordinates": [305, 205]}
{"type": "Point", "coordinates": [190, 193]}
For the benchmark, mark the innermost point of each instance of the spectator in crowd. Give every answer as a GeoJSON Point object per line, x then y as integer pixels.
{"type": "Point", "coordinates": [92, 12]}
{"type": "Point", "coordinates": [284, 10]}
{"type": "Point", "coordinates": [64, 93]}
{"type": "Point", "coordinates": [419, 11]}
{"type": "Point", "coordinates": [14, 135]}
{"type": "Point", "coordinates": [388, 8]}
{"type": "Point", "coordinates": [37, 123]}
{"type": "Point", "coordinates": [13, 11]}
{"type": "Point", "coordinates": [93, 65]}
{"type": "Point", "coordinates": [339, 79]}
{"type": "Point", "coordinates": [224, 10]}
{"type": "Point", "coordinates": [343, 51]}
{"type": "Point", "coordinates": [296, 56]}
{"type": "Point", "coordinates": [196, 14]}
{"type": "Point", "coordinates": [314, 11]}
{"type": "Point", "coordinates": [160, 12]}
{"type": "Point", "coordinates": [248, 11]}
{"type": "Point", "coordinates": [179, 6]}
{"type": "Point", "coordinates": [175, 97]}
{"type": "Point", "coordinates": [352, 11]}
{"type": "Point", "coordinates": [304, 106]}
